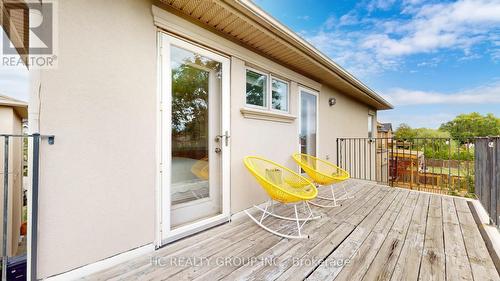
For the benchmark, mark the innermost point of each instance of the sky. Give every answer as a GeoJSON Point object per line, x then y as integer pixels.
{"type": "Point", "coordinates": [432, 60]}
{"type": "Point", "coordinates": [14, 81]}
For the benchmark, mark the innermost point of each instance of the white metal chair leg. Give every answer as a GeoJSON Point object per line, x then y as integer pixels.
{"type": "Point", "coordinates": [264, 213]}
{"type": "Point", "coordinates": [333, 198]}
{"type": "Point", "coordinates": [296, 219]}
{"type": "Point", "coordinates": [267, 213]}
{"type": "Point", "coordinates": [347, 195]}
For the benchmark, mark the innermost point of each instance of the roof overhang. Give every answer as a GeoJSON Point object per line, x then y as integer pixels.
{"type": "Point", "coordinates": [20, 107]}
{"type": "Point", "coordinates": [244, 23]}
{"type": "Point", "coordinates": [15, 23]}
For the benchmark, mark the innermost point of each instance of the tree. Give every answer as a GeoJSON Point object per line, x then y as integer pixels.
{"type": "Point", "coordinates": [404, 131]}
{"type": "Point", "coordinates": [472, 125]}
{"type": "Point", "coordinates": [431, 133]}
{"type": "Point", "coordinates": [190, 94]}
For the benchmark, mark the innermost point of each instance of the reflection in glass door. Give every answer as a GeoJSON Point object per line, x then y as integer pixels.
{"type": "Point", "coordinates": [308, 122]}
{"type": "Point", "coordinates": [196, 90]}
{"type": "Point", "coordinates": [193, 187]}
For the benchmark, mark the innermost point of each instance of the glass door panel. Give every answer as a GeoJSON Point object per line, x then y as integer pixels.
{"type": "Point", "coordinates": [195, 187]}
{"type": "Point", "coordinates": [308, 122]}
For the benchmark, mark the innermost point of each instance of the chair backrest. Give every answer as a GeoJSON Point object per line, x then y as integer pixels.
{"type": "Point", "coordinates": [321, 171]}
{"type": "Point", "coordinates": [280, 181]}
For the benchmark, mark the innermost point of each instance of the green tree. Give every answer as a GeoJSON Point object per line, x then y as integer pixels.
{"type": "Point", "coordinates": [404, 131]}
{"type": "Point", "coordinates": [430, 133]}
{"type": "Point", "coordinates": [472, 125]}
{"type": "Point", "coordinates": [190, 83]}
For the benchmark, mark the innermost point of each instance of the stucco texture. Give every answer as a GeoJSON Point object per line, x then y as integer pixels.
{"type": "Point", "coordinates": [97, 183]}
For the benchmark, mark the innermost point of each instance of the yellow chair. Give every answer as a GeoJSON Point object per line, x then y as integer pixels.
{"type": "Point", "coordinates": [323, 173]}
{"type": "Point", "coordinates": [282, 185]}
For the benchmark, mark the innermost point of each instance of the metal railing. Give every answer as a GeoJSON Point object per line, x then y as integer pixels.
{"type": "Point", "coordinates": [32, 205]}
{"type": "Point", "coordinates": [439, 165]}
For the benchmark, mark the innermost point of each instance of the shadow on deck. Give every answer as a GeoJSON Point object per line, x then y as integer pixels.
{"type": "Point", "coordinates": [382, 234]}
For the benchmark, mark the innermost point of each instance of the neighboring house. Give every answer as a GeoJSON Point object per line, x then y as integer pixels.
{"type": "Point", "coordinates": [384, 130]}
{"type": "Point", "coordinates": [12, 113]}
{"type": "Point", "coordinates": [383, 144]}
{"type": "Point", "coordinates": [154, 104]}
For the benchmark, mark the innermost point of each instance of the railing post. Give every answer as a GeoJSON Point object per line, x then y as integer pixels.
{"type": "Point", "coordinates": [337, 141]}
{"type": "Point", "coordinates": [34, 206]}
{"type": "Point", "coordinates": [392, 163]}
{"type": "Point", "coordinates": [5, 206]}
{"type": "Point", "coordinates": [449, 165]}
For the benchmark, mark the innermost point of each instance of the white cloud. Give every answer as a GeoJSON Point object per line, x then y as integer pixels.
{"type": "Point", "coordinates": [382, 44]}
{"type": "Point", "coordinates": [433, 62]}
{"type": "Point", "coordinates": [432, 120]}
{"type": "Point", "coordinates": [488, 94]}
{"type": "Point", "coordinates": [454, 25]}
{"type": "Point", "coordinates": [379, 4]}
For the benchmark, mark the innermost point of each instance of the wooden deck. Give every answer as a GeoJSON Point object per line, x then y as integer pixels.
{"type": "Point", "coordinates": [382, 234]}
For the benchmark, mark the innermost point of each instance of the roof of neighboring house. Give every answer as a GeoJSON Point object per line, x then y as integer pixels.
{"type": "Point", "coordinates": [385, 127]}
{"type": "Point", "coordinates": [244, 23]}
{"type": "Point", "coordinates": [20, 107]}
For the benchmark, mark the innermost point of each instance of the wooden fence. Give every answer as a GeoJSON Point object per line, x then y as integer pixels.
{"type": "Point", "coordinates": [424, 164]}
{"type": "Point", "coordinates": [487, 166]}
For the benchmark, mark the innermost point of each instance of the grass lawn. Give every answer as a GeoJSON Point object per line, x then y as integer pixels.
{"type": "Point", "coordinates": [454, 171]}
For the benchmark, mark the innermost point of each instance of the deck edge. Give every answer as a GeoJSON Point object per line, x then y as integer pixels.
{"type": "Point", "coordinates": [489, 232]}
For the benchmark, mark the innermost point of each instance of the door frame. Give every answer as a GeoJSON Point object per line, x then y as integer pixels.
{"type": "Point", "coordinates": [315, 93]}
{"type": "Point", "coordinates": [164, 233]}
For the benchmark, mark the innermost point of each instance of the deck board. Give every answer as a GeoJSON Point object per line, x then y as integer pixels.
{"type": "Point", "coordinates": [408, 264]}
{"type": "Point", "coordinates": [357, 267]}
{"type": "Point", "coordinates": [432, 266]}
{"type": "Point", "coordinates": [384, 262]}
{"type": "Point", "coordinates": [285, 252]}
{"type": "Point", "coordinates": [383, 233]}
{"type": "Point", "coordinates": [457, 263]}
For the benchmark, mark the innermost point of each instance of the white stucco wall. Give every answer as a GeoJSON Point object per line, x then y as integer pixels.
{"type": "Point", "coordinates": [97, 183]}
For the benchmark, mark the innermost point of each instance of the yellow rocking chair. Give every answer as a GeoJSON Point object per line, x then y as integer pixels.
{"type": "Point", "coordinates": [282, 185]}
{"type": "Point", "coordinates": [323, 173]}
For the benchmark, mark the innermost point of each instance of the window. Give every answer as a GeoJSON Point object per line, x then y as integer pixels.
{"type": "Point", "coordinates": [259, 84]}
{"type": "Point", "coordinates": [370, 126]}
{"type": "Point", "coordinates": [256, 88]}
{"type": "Point", "coordinates": [279, 95]}
{"type": "Point", "coordinates": [308, 122]}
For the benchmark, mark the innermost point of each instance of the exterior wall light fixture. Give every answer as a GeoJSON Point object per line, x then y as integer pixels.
{"type": "Point", "coordinates": [332, 101]}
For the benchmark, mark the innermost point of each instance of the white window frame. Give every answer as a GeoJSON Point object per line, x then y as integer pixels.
{"type": "Point", "coordinates": [315, 93]}
{"type": "Point", "coordinates": [269, 88]}
{"type": "Point", "coordinates": [371, 125]}
{"type": "Point", "coordinates": [271, 94]}
{"type": "Point", "coordinates": [266, 99]}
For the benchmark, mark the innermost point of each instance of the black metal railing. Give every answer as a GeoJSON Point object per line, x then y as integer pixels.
{"type": "Point", "coordinates": [487, 177]}
{"type": "Point", "coordinates": [439, 165]}
{"type": "Point", "coordinates": [17, 164]}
